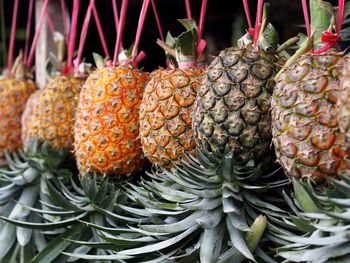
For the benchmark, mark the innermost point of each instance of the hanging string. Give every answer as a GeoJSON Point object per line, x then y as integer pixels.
{"type": "Point", "coordinates": [247, 15]}
{"type": "Point", "coordinates": [115, 12]}
{"type": "Point", "coordinates": [136, 58]}
{"type": "Point", "coordinates": [84, 33]}
{"type": "Point", "coordinates": [3, 32]}
{"type": "Point", "coordinates": [258, 20]}
{"type": "Point", "coordinates": [306, 17]}
{"type": "Point", "coordinates": [100, 31]}
{"type": "Point", "coordinates": [201, 42]}
{"type": "Point", "coordinates": [341, 4]}
{"type": "Point", "coordinates": [12, 37]}
{"type": "Point", "coordinates": [37, 33]}
{"type": "Point", "coordinates": [73, 33]}
{"type": "Point", "coordinates": [50, 23]}
{"type": "Point", "coordinates": [188, 9]}
{"type": "Point", "coordinates": [29, 22]}
{"type": "Point", "coordinates": [120, 30]}
{"type": "Point", "coordinates": [329, 38]}
{"type": "Point", "coordinates": [64, 19]}
{"type": "Point", "coordinates": [159, 25]}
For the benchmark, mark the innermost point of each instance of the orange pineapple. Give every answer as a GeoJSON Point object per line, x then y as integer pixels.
{"type": "Point", "coordinates": [166, 109]}
{"type": "Point", "coordinates": [50, 112]}
{"type": "Point", "coordinates": [14, 93]}
{"type": "Point", "coordinates": [107, 129]}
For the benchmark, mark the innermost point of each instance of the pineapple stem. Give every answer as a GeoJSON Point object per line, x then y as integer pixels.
{"type": "Point", "coordinates": [265, 18]}
{"type": "Point", "coordinates": [320, 20]}
{"type": "Point", "coordinates": [306, 46]}
{"type": "Point", "coordinates": [166, 48]}
{"type": "Point", "coordinates": [288, 43]}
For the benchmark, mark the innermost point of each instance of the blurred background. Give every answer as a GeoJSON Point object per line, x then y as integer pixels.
{"type": "Point", "coordinates": [225, 22]}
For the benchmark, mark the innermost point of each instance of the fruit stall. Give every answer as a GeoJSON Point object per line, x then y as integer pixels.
{"type": "Point", "coordinates": [176, 131]}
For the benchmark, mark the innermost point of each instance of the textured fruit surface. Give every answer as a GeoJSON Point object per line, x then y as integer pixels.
{"type": "Point", "coordinates": [13, 97]}
{"type": "Point", "coordinates": [107, 121]}
{"type": "Point", "coordinates": [307, 138]}
{"type": "Point", "coordinates": [49, 114]}
{"type": "Point", "coordinates": [233, 104]}
{"type": "Point", "coordinates": [343, 103]}
{"type": "Point", "coordinates": [166, 114]}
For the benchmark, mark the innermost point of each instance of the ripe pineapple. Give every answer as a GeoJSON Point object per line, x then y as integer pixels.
{"type": "Point", "coordinates": [166, 108]}
{"type": "Point", "coordinates": [343, 104]}
{"type": "Point", "coordinates": [14, 93]}
{"type": "Point", "coordinates": [50, 112]}
{"type": "Point", "coordinates": [233, 104]}
{"type": "Point", "coordinates": [107, 129]}
{"type": "Point", "coordinates": [307, 138]}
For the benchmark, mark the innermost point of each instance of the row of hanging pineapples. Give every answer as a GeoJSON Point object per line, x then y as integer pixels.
{"type": "Point", "coordinates": [236, 106]}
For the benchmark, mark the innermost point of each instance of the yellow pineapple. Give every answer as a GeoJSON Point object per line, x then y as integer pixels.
{"type": "Point", "coordinates": [50, 112]}
{"type": "Point", "coordinates": [14, 93]}
{"type": "Point", "coordinates": [107, 128]}
{"type": "Point", "coordinates": [166, 109]}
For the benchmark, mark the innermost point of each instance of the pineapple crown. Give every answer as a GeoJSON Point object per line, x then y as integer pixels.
{"type": "Point", "coordinates": [323, 29]}
{"type": "Point", "coordinates": [263, 36]}
{"type": "Point", "coordinates": [181, 51]}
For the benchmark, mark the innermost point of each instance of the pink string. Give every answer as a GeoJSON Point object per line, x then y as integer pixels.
{"type": "Point", "coordinates": [139, 29]}
{"type": "Point", "coordinates": [159, 25]}
{"type": "Point", "coordinates": [115, 12]}
{"type": "Point", "coordinates": [29, 22]}
{"type": "Point", "coordinates": [100, 31]}
{"type": "Point", "coordinates": [84, 32]}
{"type": "Point", "coordinates": [12, 37]}
{"type": "Point", "coordinates": [201, 19]}
{"type": "Point", "coordinates": [120, 30]}
{"type": "Point", "coordinates": [258, 20]}
{"type": "Point", "coordinates": [247, 15]}
{"type": "Point", "coordinates": [64, 19]}
{"type": "Point", "coordinates": [37, 33]}
{"type": "Point", "coordinates": [49, 22]}
{"type": "Point", "coordinates": [73, 33]}
{"type": "Point", "coordinates": [306, 17]}
{"type": "Point", "coordinates": [188, 9]}
{"type": "Point", "coordinates": [341, 4]}
{"type": "Point", "coordinates": [329, 38]}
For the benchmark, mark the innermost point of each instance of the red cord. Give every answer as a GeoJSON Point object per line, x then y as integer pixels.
{"type": "Point", "coordinates": [188, 9]}
{"type": "Point", "coordinates": [159, 25]}
{"type": "Point", "coordinates": [64, 19]}
{"type": "Point", "coordinates": [100, 31]}
{"type": "Point", "coordinates": [139, 30]}
{"type": "Point", "coordinates": [12, 37]}
{"type": "Point", "coordinates": [37, 33]}
{"type": "Point", "coordinates": [258, 20]}
{"type": "Point", "coordinates": [29, 22]}
{"type": "Point", "coordinates": [84, 33]}
{"type": "Point", "coordinates": [73, 33]}
{"type": "Point", "coordinates": [120, 30]}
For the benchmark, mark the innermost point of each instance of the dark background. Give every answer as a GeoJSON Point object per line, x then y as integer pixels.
{"type": "Point", "coordinates": [224, 22]}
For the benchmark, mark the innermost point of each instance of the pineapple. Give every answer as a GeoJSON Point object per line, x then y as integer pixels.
{"type": "Point", "coordinates": [233, 103]}
{"type": "Point", "coordinates": [343, 105]}
{"type": "Point", "coordinates": [14, 93]}
{"type": "Point", "coordinates": [306, 135]}
{"type": "Point", "coordinates": [107, 128]}
{"type": "Point", "coordinates": [50, 112]}
{"type": "Point", "coordinates": [166, 108]}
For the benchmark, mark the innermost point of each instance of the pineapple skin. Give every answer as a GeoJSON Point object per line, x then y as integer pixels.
{"type": "Point", "coordinates": [50, 113]}
{"type": "Point", "coordinates": [166, 115]}
{"type": "Point", "coordinates": [343, 103]}
{"type": "Point", "coordinates": [13, 96]}
{"type": "Point", "coordinates": [306, 135]}
{"type": "Point", "coordinates": [107, 122]}
{"type": "Point", "coordinates": [233, 105]}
